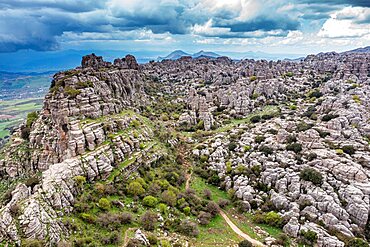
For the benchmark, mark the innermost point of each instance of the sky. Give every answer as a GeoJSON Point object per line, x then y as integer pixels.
{"type": "Point", "coordinates": [273, 26]}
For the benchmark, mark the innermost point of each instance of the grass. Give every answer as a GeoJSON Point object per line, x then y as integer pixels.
{"type": "Point", "coordinates": [199, 185]}
{"type": "Point", "coordinates": [16, 110]}
{"type": "Point", "coordinates": [216, 233]}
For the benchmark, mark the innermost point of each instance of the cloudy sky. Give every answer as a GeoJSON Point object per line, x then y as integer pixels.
{"type": "Point", "coordinates": [274, 26]}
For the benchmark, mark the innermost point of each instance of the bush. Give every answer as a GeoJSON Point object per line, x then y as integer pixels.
{"type": "Point", "coordinates": [253, 78]}
{"type": "Point", "coordinates": [212, 208]}
{"type": "Point", "coordinates": [259, 139]}
{"type": "Point", "coordinates": [328, 117]}
{"type": "Point", "coordinates": [232, 146]}
{"type": "Point", "coordinates": [302, 126]}
{"type": "Point", "coordinates": [32, 181]}
{"type": "Point", "coordinates": [255, 119]}
{"type": "Point", "coordinates": [357, 242]}
{"type": "Point", "coordinates": [245, 243]}
{"type": "Point", "coordinates": [104, 203]}
{"type": "Point", "coordinates": [310, 174]}
{"type": "Point", "coordinates": [148, 221]}
{"type": "Point", "coordinates": [348, 149]}
{"type": "Point", "coordinates": [308, 237]}
{"type": "Point", "coordinates": [295, 147]}
{"type": "Point", "coordinates": [71, 92]}
{"type": "Point", "coordinates": [204, 218]}
{"type": "Point", "coordinates": [135, 189]}
{"type": "Point", "coordinates": [25, 133]}
{"type": "Point", "coordinates": [169, 197]}
{"type": "Point", "coordinates": [150, 201]}
{"type": "Point", "coordinates": [188, 228]}
{"type": "Point", "coordinates": [315, 94]}
{"type": "Point", "coordinates": [187, 211]}
{"type": "Point", "coordinates": [222, 203]}
{"type": "Point", "coordinates": [134, 243]}
{"type": "Point", "coordinates": [33, 243]}
{"type": "Point", "coordinates": [31, 118]}
{"type": "Point", "coordinates": [273, 219]}
{"type": "Point", "coordinates": [311, 156]}
{"type": "Point", "coordinates": [88, 218]}
{"type": "Point", "coordinates": [282, 239]}
{"type": "Point", "coordinates": [153, 240]}
{"type": "Point", "coordinates": [266, 150]}
{"type": "Point", "coordinates": [207, 194]}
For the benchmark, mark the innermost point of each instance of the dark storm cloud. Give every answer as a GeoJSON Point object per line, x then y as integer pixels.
{"type": "Point", "coordinates": [359, 3]}
{"type": "Point", "coordinates": [39, 24]}
{"type": "Point", "coordinates": [264, 24]}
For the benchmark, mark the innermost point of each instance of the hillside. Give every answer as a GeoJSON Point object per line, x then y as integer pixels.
{"type": "Point", "coordinates": [193, 152]}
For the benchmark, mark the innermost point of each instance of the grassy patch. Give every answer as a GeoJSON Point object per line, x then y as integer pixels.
{"type": "Point", "coordinates": [199, 185]}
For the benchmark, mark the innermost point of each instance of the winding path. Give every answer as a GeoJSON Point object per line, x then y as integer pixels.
{"type": "Point", "coordinates": [239, 232]}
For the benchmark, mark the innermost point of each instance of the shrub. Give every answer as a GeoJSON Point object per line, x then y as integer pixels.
{"type": "Point", "coordinates": [212, 208]}
{"type": "Point", "coordinates": [302, 126]}
{"type": "Point", "coordinates": [255, 119]}
{"type": "Point", "coordinates": [163, 208]}
{"type": "Point", "coordinates": [311, 156]}
{"type": "Point", "coordinates": [79, 180]}
{"type": "Point", "coordinates": [32, 181]}
{"type": "Point", "coordinates": [310, 174]}
{"type": "Point", "coordinates": [33, 243]}
{"type": "Point", "coordinates": [308, 237]}
{"type": "Point", "coordinates": [245, 243]}
{"type": "Point", "coordinates": [71, 92]}
{"type": "Point", "coordinates": [295, 147]}
{"type": "Point", "coordinates": [273, 219]}
{"type": "Point", "coordinates": [357, 242]}
{"type": "Point", "coordinates": [88, 218]}
{"type": "Point", "coordinates": [204, 218]}
{"type": "Point", "coordinates": [135, 188]}
{"type": "Point", "coordinates": [259, 139]}
{"type": "Point", "coordinates": [339, 151]}
{"type": "Point", "coordinates": [315, 94]}
{"type": "Point", "coordinates": [148, 221]}
{"type": "Point", "coordinates": [169, 197]}
{"type": "Point", "coordinates": [134, 243]}
{"type": "Point", "coordinates": [31, 118]}
{"type": "Point", "coordinates": [232, 146]}
{"type": "Point", "coordinates": [187, 210]}
{"type": "Point", "coordinates": [104, 203]}
{"type": "Point", "coordinates": [247, 148]}
{"type": "Point", "coordinates": [266, 150]}
{"type": "Point", "coordinates": [356, 98]}
{"type": "Point", "coordinates": [222, 203]}
{"type": "Point", "coordinates": [253, 78]}
{"type": "Point", "coordinates": [348, 149]}
{"type": "Point", "coordinates": [329, 117]}
{"type": "Point", "coordinates": [150, 201]}
{"type": "Point", "coordinates": [207, 194]}
{"type": "Point", "coordinates": [282, 239]}
{"type": "Point", "coordinates": [188, 228]}
{"type": "Point", "coordinates": [25, 133]}
{"type": "Point", "coordinates": [203, 158]}
{"type": "Point", "coordinates": [153, 240]}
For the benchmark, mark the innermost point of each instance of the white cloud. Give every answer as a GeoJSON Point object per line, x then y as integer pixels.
{"type": "Point", "coordinates": [346, 23]}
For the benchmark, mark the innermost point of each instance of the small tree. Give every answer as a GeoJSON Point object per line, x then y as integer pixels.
{"type": "Point", "coordinates": [169, 197]}
{"type": "Point", "coordinates": [104, 203]}
{"type": "Point", "coordinates": [148, 221]}
{"type": "Point", "coordinates": [245, 243]}
{"type": "Point", "coordinates": [150, 201]}
{"type": "Point", "coordinates": [357, 242]}
{"type": "Point", "coordinates": [212, 208]}
{"type": "Point", "coordinates": [188, 228]}
{"type": "Point", "coordinates": [135, 188]}
{"type": "Point", "coordinates": [310, 174]}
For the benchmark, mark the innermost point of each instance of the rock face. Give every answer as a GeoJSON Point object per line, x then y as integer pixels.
{"type": "Point", "coordinates": [290, 137]}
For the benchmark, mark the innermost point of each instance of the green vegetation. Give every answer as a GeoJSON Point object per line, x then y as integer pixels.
{"type": "Point", "coordinates": [72, 92]}
{"type": "Point", "coordinates": [310, 174]}
{"type": "Point", "coordinates": [13, 112]}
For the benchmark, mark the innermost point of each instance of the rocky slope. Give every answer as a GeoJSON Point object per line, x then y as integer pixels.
{"type": "Point", "coordinates": [290, 137]}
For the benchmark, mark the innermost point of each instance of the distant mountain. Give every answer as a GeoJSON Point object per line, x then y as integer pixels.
{"type": "Point", "coordinates": [178, 54]}
{"type": "Point", "coordinates": [205, 54]}
{"type": "Point", "coordinates": [175, 55]}
{"type": "Point", "coordinates": [359, 50]}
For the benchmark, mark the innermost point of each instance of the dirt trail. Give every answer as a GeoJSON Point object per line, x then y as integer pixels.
{"type": "Point", "coordinates": [239, 232]}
